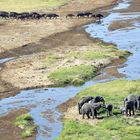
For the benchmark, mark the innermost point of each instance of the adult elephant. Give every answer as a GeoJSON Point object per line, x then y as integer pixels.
{"type": "Point", "coordinates": [129, 107]}
{"type": "Point", "coordinates": [90, 109]}
{"type": "Point", "coordinates": [98, 99]}
{"type": "Point", "coordinates": [134, 98]}
{"type": "Point", "coordinates": [83, 101]}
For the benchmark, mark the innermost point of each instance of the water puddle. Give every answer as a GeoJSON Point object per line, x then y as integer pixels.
{"type": "Point", "coordinates": [42, 103]}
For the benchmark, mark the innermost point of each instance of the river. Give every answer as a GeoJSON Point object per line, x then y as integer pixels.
{"type": "Point", "coordinates": [42, 103]}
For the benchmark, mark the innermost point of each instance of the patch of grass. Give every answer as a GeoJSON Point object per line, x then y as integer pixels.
{"type": "Point", "coordinates": [114, 91]}
{"type": "Point", "coordinates": [116, 127]}
{"type": "Point", "coordinates": [25, 122]}
{"type": "Point", "coordinates": [73, 75]}
{"type": "Point", "coordinates": [29, 5]}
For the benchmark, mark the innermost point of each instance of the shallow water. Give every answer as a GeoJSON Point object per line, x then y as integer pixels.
{"type": "Point", "coordinates": [42, 103]}
{"type": "Point", "coordinates": [125, 38]}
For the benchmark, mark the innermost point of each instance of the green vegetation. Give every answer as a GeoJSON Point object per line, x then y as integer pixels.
{"type": "Point", "coordinates": [25, 122]}
{"type": "Point", "coordinates": [116, 127]}
{"type": "Point", "coordinates": [73, 75]}
{"type": "Point", "coordinates": [29, 5]}
{"type": "Point", "coordinates": [76, 75]}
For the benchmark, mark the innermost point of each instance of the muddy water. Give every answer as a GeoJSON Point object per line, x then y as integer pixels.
{"type": "Point", "coordinates": [42, 103]}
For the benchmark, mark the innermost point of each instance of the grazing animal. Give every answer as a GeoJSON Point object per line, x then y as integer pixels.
{"type": "Point", "coordinates": [109, 109]}
{"type": "Point", "coordinates": [80, 15]}
{"type": "Point", "coordinates": [83, 101]}
{"type": "Point", "coordinates": [87, 14]}
{"type": "Point", "coordinates": [13, 15]}
{"type": "Point", "coordinates": [99, 16]}
{"type": "Point", "coordinates": [23, 16]}
{"type": "Point", "coordinates": [134, 98]}
{"type": "Point", "coordinates": [70, 16]}
{"type": "Point", "coordinates": [34, 15]}
{"type": "Point", "coordinates": [90, 109]}
{"type": "Point", "coordinates": [52, 16]}
{"type": "Point", "coordinates": [98, 99]}
{"type": "Point", "coordinates": [4, 14]}
{"type": "Point", "coordinates": [129, 107]}
{"type": "Point", "coordinates": [123, 110]}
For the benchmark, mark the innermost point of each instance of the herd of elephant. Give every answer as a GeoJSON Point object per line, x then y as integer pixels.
{"type": "Point", "coordinates": [35, 15]}
{"type": "Point", "coordinates": [91, 105]}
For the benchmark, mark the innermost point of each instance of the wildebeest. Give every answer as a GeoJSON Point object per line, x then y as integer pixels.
{"type": "Point", "coordinates": [99, 16]}
{"type": "Point", "coordinates": [70, 15]}
{"type": "Point", "coordinates": [84, 100]}
{"type": "Point", "coordinates": [52, 16]}
{"type": "Point", "coordinates": [34, 15]}
{"type": "Point", "coordinates": [80, 15]}
{"type": "Point", "coordinates": [87, 14]}
{"type": "Point", "coordinates": [23, 16]}
{"type": "Point", "coordinates": [13, 15]}
{"type": "Point", "coordinates": [4, 14]}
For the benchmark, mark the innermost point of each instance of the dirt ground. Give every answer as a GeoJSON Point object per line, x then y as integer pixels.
{"type": "Point", "coordinates": [7, 130]}
{"type": "Point", "coordinates": [36, 40]}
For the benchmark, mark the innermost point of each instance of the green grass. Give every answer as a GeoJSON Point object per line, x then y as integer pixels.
{"type": "Point", "coordinates": [29, 5]}
{"type": "Point", "coordinates": [73, 75]}
{"type": "Point", "coordinates": [25, 122]}
{"type": "Point", "coordinates": [116, 127]}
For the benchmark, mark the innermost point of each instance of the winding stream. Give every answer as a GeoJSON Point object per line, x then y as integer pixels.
{"type": "Point", "coordinates": [42, 103]}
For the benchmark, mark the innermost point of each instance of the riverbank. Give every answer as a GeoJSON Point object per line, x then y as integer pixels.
{"type": "Point", "coordinates": [116, 126]}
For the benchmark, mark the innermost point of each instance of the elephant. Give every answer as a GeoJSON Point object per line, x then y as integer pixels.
{"type": "Point", "coordinates": [98, 99]}
{"type": "Point", "coordinates": [134, 98]}
{"type": "Point", "coordinates": [129, 107]}
{"type": "Point", "coordinates": [82, 101]}
{"type": "Point", "coordinates": [109, 108]}
{"type": "Point", "coordinates": [90, 109]}
{"type": "Point", "coordinates": [123, 110]}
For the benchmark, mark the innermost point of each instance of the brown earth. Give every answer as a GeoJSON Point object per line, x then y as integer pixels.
{"type": "Point", "coordinates": [7, 130]}
{"type": "Point", "coordinates": [37, 38]}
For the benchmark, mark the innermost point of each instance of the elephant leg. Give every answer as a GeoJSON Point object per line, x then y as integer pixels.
{"type": "Point", "coordinates": [95, 113]}
{"type": "Point", "coordinates": [88, 116]}
{"type": "Point", "coordinates": [107, 113]}
{"type": "Point", "coordinates": [83, 116]}
{"type": "Point", "coordinates": [92, 110]}
{"type": "Point", "coordinates": [126, 112]}
{"type": "Point", "coordinates": [129, 112]}
{"type": "Point", "coordinates": [133, 111]}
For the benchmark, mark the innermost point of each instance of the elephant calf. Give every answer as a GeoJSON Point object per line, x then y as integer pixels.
{"type": "Point", "coordinates": [90, 109]}
{"type": "Point", "coordinates": [109, 109]}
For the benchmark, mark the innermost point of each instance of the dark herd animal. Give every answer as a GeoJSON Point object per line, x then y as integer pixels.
{"type": "Point", "coordinates": [35, 15]}
{"type": "Point", "coordinates": [89, 106]}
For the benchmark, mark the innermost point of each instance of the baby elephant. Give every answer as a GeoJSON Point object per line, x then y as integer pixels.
{"type": "Point", "coordinates": [123, 110]}
{"type": "Point", "coordinates": [90, 109]}
{"type": "Point", "coordinates": [109, 109]}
